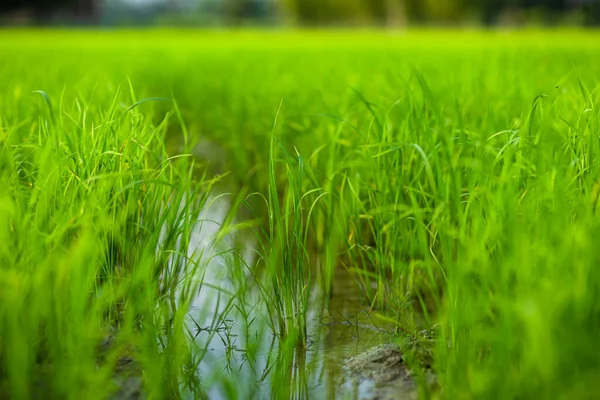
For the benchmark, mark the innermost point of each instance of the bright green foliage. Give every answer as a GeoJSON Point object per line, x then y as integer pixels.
{"type": "Point", "coordinates": [91, 218]}
{"type": "Point", "coordinates": [455, 174]}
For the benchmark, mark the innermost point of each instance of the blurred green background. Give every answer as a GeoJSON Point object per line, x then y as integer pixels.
{"type": "Point", "coordinates": [355, 13]}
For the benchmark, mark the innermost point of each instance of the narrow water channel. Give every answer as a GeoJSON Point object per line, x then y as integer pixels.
{"type": "Point", "coordinates": [241, 357]}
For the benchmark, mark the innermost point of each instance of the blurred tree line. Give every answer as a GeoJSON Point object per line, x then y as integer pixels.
{"type": "Point", "coordinates": [344, 12]}
{"type": "Point", "coordinates": [41, 9]}
{"type": "Point", "coordinates": [489, 12]}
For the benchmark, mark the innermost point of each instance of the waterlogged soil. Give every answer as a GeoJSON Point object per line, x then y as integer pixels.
{"type": "Point", "coordinates": [379, 373]}
{"type": "Point", "coordinates": [344, 358]}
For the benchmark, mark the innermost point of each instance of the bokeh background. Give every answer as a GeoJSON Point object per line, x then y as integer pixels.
{"type": "Point", "coordinates": [353, 13]}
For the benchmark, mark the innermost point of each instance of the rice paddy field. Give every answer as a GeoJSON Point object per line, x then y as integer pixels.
{"type": "Point", "coordinates": [235, 214]}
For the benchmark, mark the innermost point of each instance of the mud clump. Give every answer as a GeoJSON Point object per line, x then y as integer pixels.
{"type": "Point", "coordinates": [380, 373]}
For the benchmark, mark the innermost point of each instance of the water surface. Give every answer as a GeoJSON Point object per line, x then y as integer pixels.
{"type": "Point", "coordinates": [241, 357]}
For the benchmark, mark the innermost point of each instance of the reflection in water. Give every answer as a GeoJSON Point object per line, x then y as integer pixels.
{"type": "Point", "coordinates": [240, 355]}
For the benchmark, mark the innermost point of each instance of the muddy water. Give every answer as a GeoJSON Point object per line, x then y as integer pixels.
{"type": "Point", "coordinates": [242, 358]}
